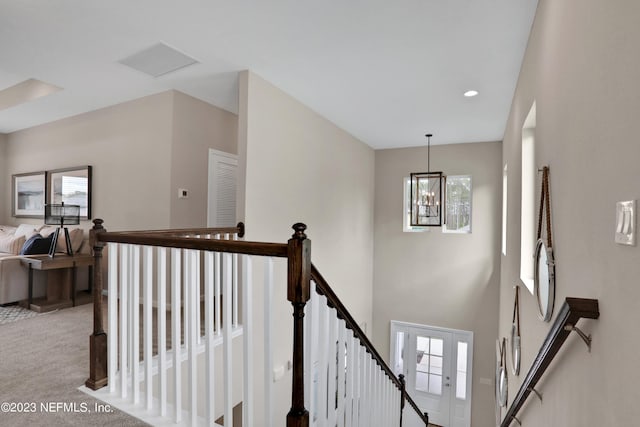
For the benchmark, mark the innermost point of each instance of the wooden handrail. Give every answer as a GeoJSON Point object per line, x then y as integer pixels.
{"type": "Point", "coordinates": [238, 229]}
{"type": "Point", "coordinates": [216, 245]}
{"type": "Point", "coordinates": [571, 311]}
{"type": "Point", "coordinates": [323, 288]}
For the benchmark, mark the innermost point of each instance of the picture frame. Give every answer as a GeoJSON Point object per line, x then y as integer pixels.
{"type": "Point", "coordinates": [71, 186]}
{"type": "Point", "coordinates": [28, 194]}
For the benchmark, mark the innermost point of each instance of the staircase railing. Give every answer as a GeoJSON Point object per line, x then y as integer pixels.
{"type": "Point", "coordinates": [168, 364]}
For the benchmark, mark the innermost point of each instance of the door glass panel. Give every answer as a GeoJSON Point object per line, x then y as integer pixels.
{"type": "Point", "coordinates": [435, 384]}
{"type": "Point", "coordinates": [435, 365]}
{"type": "Point", "coordinates": [399, 353]}
{"type": "Point", "coordinates": [461, 371]}
{"type": "Point", "coordinates": [429, 365]}
{"type": "Point", "coordinates": [436, 346]}
{"type": "Point", "coordinates": [422, 381]}
{"type": "Point", "coordinates": [422, 344]}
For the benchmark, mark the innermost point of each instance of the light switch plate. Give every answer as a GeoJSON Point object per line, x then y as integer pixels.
{"type": "Point", "coordinates": [626, 223]}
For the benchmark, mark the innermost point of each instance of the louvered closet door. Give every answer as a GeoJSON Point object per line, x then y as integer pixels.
{"type": "Point", "coordinates": [223, 175]}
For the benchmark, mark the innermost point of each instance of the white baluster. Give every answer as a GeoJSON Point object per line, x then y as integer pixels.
{"type": "Point", "coordinates": [323, 360]}
{"type": "Point", "coordinates": [162, 328]}
{"type": "Point", "coordinates": [332, 358]}
{"type": "Point", "coordinates": [176, 262]}
{"type": "Point", "coordinates": [191, 269]}
{"type": "Point", "coordinates": [209, 296]}
{"type": "Point", "coordinates": [135, 324]}
{"type": "Point", "coordinates": [227, 344]}
{"type": "Point", "coordinates": [235, 267]}
{"type": "Point", "coordinates": [311, 352]}
{"type": "Point", "coordinates": [196, 281]}
{"type": "Point", "coordinates": [124, 311]}
{"type": "Point", "coordinates": [148, 324]}
{"type": "Point", "coordinates": [247, 326]}
{"type": "Point", "coordinates": [341, 372]}
{"type": "Point", "coordinates": [349, 378]}
{"type": "Point", "coordinates": [217, 290]}
{"type": "Point", "coordinates": [268, 349]}
{"type": "Point", "coordinates": [357, 356]}
{"type": "Point", "coordinates": [112, 364]}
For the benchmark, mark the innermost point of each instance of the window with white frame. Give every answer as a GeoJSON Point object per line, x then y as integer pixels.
{"type": "Point", "coordinates": [527, 202]}
{"type": "Point", "coordinates": [458, 204]}
{"type": "Point", "coordinates": [504, 210]}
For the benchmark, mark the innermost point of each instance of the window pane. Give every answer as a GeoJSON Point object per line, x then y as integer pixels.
{"type": "Point", "coordinates": [461, 373]}
{"type": "Point", "coordinates": [399, 368]}
{"type": "Point", "coordinates": [436, 346]}
{"type": "Point", "coordinates": [458, 204]}
{"type": "Point", "coordinates": [435, 365]}
{"type": "Point", "coordinates": [423, 344]}
{"type": "Point", "coordinates": [461, 385]}
{"type": "Point", "coordinates": [462, 356]}
{"type": "Point", "coordinates": [422, 381]}
{"type": "Point", "coordinates": [435, 384]}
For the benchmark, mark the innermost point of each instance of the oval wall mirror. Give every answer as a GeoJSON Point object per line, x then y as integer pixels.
{"type": "Point", "coordinates": [544, 286]}
{"type": "Point", "coordinates": [515, 335]}
{"type": "Point", "coordinates": [501, 376]}
{"type": "Point", "coordinates": [544, 280]}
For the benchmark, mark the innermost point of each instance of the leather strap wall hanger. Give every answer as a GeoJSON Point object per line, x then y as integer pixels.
{"type": "Point", "coordinates": [515, 334]}
{"type": "Point", "coordinates": [544, 268]}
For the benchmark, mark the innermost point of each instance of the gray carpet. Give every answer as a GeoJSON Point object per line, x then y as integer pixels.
{"type": "Point", "coordinates": [44, 359]}
{"type": "Point", "coordinates": [13, 313]}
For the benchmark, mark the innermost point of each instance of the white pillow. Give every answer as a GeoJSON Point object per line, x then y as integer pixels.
{"type": "Point", "coordinates": [26, 230]}
{"type": "Point", "coordinates": [11, 244]}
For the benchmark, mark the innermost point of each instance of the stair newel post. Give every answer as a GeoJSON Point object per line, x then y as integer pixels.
{"type": "Point", "coordinates": [403, 387]}
{"type": "Point", "coordinates": [298, 293]}
{"type": "Point", "coordinates": [97, 340]}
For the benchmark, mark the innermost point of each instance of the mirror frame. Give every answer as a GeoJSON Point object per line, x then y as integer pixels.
{"type": "Point", "coordinates": [548, 305]}
{"type": "Point", "coordinates": [515, 350]}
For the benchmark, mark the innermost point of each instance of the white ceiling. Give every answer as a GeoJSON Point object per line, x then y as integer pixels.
{"type": "Point", "coordinates": [386, 71]}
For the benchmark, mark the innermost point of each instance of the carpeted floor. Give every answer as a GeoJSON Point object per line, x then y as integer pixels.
{"type": "Point", "coordinates": [13, 313]}
{"type": "Point", "coordinates": [43, 360]}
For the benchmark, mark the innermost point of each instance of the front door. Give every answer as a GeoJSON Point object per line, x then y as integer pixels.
{"type": "Point", "coordinates": [437, 365]}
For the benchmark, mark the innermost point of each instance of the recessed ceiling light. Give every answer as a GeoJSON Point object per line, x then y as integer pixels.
{"type": "Point", "coordinates": [25, 91]}
{"type": "Point", "coordinates": [470, 93]}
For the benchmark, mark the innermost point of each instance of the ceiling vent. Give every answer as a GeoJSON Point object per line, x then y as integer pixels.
{"type": "Point", "coordinates": [158, 60]}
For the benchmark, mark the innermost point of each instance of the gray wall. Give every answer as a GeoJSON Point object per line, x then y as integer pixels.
{"type": "Point", "coordinates": [4, 186]}
{"type": "Point", "coordinates": [298, 166]}
{"type": "Point", "coordinates": [197, 126]}
{"type": "Point", "coordinates": [437, 279]}
{"type": "Point", "coordinates": [141, 152]}
{"type": "Point", "coordinates": [581, 67]}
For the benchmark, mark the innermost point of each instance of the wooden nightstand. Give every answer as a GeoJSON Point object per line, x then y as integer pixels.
{"type": "Point", "coordinates": [61, 279]}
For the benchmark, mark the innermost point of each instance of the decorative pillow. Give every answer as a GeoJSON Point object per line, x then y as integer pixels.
{"type": "Point", "coordinates": [7, 229]}
{"type": "Point", "coordinates": [26, 230]}
{"type": "Point", "coordinates": [37, 245]}
{"type": "Point", "coordinates": [76, 235]}
{"type": "Point", "coordinates": [11, 244]}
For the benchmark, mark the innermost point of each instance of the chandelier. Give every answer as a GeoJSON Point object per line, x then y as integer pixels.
{"type": "Point", "coordinates": [427, 198]}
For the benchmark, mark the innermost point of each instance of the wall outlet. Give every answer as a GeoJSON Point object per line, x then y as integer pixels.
{"type": "Point", "coordinates": [183, 193]}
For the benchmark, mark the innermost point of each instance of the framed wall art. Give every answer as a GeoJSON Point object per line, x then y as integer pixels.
{"type": "Point", "coordinates": [71, 186]}
{"type": "Point", "coordinates": [28, 195]}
